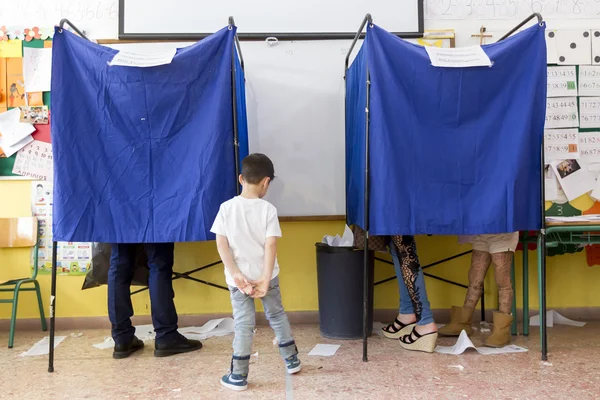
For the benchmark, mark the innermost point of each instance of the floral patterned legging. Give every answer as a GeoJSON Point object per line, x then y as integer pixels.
{"type": "Point", "coordinates": [406, 249]}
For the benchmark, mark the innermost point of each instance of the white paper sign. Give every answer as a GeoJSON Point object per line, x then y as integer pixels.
{"type": "Point", "coordinates": [35, 161]}
{"type": "Point", "coordinates": [574, 180]}
{"type": "Point", "coordinates": [561, 112]}
{"type": "Point", "coordinates": [562, 81]}
{"type": "Point", "coordinates": [470, 56]}
{"type": "Point", "coordinates": [126, 59]}
{"type": "Point", "coordinates": [589, 146]}
{"type": "Point", "coordinates": [561, 144]}
{"type": "Point", "coordinates": [590, 112]}
{"type": "Point", "coordinates": [37, 69]}
{"type": "Point", "coordinates": [589, 80]}
{"type": "Point", "coordinates": [10, 150]}
{"type": "Point", "coordinates": [550, 185]}
{"type": "Point", "coordinates": [11, 130]}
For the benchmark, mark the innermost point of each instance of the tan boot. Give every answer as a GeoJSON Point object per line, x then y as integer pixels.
{"type": "Point", "coordinates": [460, 319]}
{"type": "Point", "coordinates": [500, 336]}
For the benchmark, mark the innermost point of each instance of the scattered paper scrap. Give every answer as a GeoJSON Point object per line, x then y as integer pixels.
{"type": "Point", "coordinates": [76, 335]}
{"type": "Point", "coordinates": [214, 327]}
{"type": "Point", "coordinates": [463, 343]}
{"type": "Point", "coordinates": [176, 390]}
{"type": "Point", "coordinates": [255, 354]}
{"type": "Point", "coordinates": [324, 350]}
{"type": "Point", "coordinates": [546, 363]}
{"type": "Point", "coordinates": [458, 367]}
{"type": "Point", "coordinates": [552, 318]}
{"type": "Point", "coordinates": [145, 332]}
{"type": "Point", "coordinates": [43, 346]}
{"type": "Point", "coordinates": [108, 343]}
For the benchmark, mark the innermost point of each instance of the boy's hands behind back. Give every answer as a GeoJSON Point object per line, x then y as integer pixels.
{"type": "Point", "coordinates": [242, 284]}
{"type": "Point", "coordinates": [261, 287]}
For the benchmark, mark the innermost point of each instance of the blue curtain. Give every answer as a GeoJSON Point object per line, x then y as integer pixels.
{"type": "Point", "coordinates": [454, 150]}
{"type": "Point", "coordinates": [242, 118]}
{"type": "Point", "coordinates": [141, 154]}
{"type": "Point", "coordinates": [356, 102]}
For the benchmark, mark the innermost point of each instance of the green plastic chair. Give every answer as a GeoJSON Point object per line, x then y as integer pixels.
{"type": "Point", "coordinates": [20, 233]}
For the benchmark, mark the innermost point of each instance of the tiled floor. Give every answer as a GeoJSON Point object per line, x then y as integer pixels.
{"type": "Point", "coordinates": [83, 372]}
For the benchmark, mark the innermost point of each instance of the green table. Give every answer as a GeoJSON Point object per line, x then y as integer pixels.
{"type": "Point", "coordinates": [555, 234]}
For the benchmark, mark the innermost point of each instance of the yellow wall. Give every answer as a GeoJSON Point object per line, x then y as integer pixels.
{"type": "Point", "coordinates": [571, 283]}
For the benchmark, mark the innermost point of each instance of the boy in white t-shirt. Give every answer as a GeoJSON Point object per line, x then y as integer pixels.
{"type": "Point", "coordinates": [247, 229]}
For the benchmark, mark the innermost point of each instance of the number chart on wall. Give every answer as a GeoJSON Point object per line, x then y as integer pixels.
{"type": "Point", "coordinates": [511, 9]}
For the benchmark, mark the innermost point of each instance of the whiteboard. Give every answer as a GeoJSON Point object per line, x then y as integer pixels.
{"type": "Point", "coordinates": [98, 18]}
{"type": "Point", "coordinates": [266, 16]}
{"type": "Point", "coordinates": [295, 106]}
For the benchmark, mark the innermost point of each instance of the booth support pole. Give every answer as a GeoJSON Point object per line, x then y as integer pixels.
{"type": "Point", "coordinates": [236, 144]}
{"type": "Point", "coordinates": [366, 287]}
{"type": "Point", "coordinates": [52, 310]}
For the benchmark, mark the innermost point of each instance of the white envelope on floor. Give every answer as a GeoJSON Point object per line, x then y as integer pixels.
{"type": "Point", "coordinates": [463, 343]}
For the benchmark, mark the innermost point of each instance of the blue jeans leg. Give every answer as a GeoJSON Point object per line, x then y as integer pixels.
{"type": "Point", "coordinates": [160, 283]}
{"type": "Point", "coordinates": [120, 275]}
{"type": "Point", "coordinates": [404, 253]}
{"type": "Point", "coordinates": [406, 306]}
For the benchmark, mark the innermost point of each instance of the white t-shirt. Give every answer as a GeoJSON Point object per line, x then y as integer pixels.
{"type": "Point", "coordinates": [247, 223]}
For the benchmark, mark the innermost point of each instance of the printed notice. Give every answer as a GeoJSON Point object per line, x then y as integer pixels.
{"type": "Point", "coordinates": [470, 56]}
{"type": "Point", "coordinates": [561, 112]}
{"type": "Point", "coordinates": [590, 112]}
{"type": "Point", "coordinates": [589, 80]}
{"type": "Point", "coordinates": [589, 147]}
{"type": "Point", "coordinates": [562, 81]}
{"type": "Point", "coordinates": [561, 144]}
{"type": "Point", "coordinates": [125, 59]}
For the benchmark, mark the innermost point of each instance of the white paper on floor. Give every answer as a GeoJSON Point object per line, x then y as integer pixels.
{"type": "Point", "coordinates": [552, 318]}
{"type": "Point", "coordinates": [324, 350]}
{"type": "Point", "coordinates": [463, 343]}
{"type": "Point", "coordinates": [107, 344]}
{"type": "Point", "coordinates": [145, 332]}
{"type": "Point", "coordinates": [43, 346]}
{"type": "Point", "coordinates": [214, 327]}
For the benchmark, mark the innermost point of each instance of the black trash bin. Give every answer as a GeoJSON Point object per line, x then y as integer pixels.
{"type": "Point", "coordinates": [340, 277]}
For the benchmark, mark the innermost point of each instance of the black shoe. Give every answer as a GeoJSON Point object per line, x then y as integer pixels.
{"type": "Point", "coordinates": [124, 350]}
{"type": "Point", "coordinates": [180, 344]}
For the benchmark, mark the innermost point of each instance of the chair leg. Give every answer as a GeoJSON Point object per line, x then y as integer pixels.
{"type": "Point", "coordinates": [13, 318]}
{"type": "Point", "coordinates": [41, 305]}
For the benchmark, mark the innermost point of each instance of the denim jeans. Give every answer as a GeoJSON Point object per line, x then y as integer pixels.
{"type": "Point", "coordinates": [120, 275]}
{"type": "Point", "coordinates": [244, 316]}
{"type": "Point", "coordinates": [406, 303]}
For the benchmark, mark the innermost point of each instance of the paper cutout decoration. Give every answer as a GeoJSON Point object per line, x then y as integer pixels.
{"type": "Point", "coordinates": [33, 33]}
{"type": "Point", "coordinates": [37, 67]}
{"type": "Point", "coordinates": [15, 85]}
{"type": "Point", "coordinates": [3, 95]}
{"type": "Point", "coordinates": [3, 34]}
{"type": "Point", "coordinates": [48, 44]}
{"type": "Point", "coordinates": [574, 46]}
{"type": "Point", "coordinates": [11, 48]}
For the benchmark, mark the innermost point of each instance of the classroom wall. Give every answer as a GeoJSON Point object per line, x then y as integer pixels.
{"type": "Point", "coordinates": [571, 283]}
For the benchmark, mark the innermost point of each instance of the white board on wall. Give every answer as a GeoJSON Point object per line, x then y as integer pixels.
{"type": "Point", "coordinates": [266, 16]}
{"type": "Point", "coordinates": [295, 106]}
{"type": "Point", "coordinates": [98, 18]}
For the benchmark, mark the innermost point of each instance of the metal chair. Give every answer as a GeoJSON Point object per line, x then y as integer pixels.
{"type": "Point", "coordinates": [20, 233]}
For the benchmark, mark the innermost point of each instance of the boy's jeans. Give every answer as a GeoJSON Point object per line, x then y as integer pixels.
{"type": "Point", "coordinates": [244, 318]}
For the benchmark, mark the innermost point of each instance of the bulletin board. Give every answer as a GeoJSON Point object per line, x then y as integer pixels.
{"type": "Point", "coordinates": [7, 76]}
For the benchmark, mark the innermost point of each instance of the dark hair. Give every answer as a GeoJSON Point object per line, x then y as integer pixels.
{"type": "Point", "coordinates": [257, 167]}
